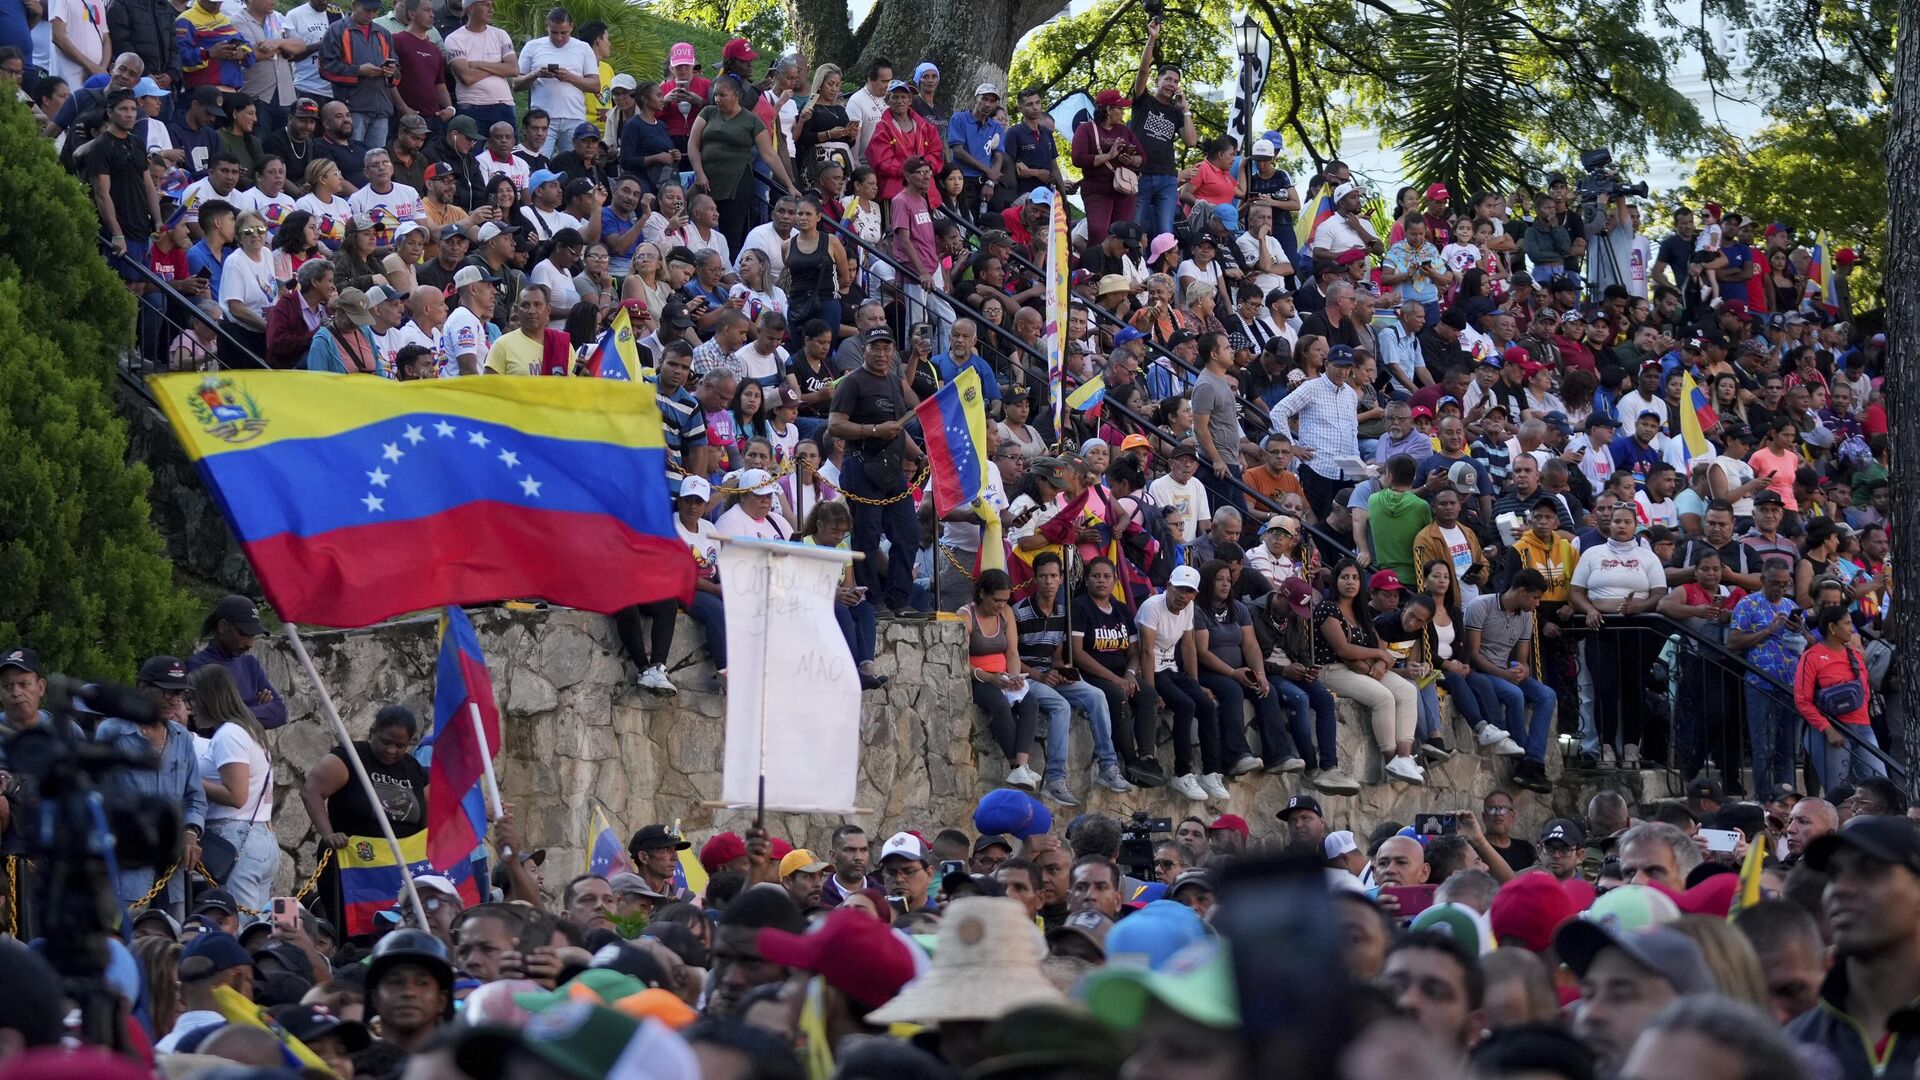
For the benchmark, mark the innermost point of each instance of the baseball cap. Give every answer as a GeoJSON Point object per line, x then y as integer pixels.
{"type": "Point", "coordinates": [1887, 839]}
{"type": "Point", "coordinates": [1384, 581]}
{"type": "Point", "coordinates": [1528, 909]}
{"type": "Point", "coordinates": [627, 883]}
{"type": "Point", "coordinates": [414, 122]}
{"type": "Point", "coordinates": [623, 81]}
{"type": "Point", "coordinates": [1562, 831]}
{"type": "Point", "coordinates": [1012, 812]}
{"type": "Point", "coordinates": [1090, 925]}
{"type": "Point", "coordinates": [545, 176]}
{"type": "Point", "coordinates": [1350, 256]}
{"type": "Point", "coordinates": [208, 98]}
{"type": "Point", "coordinates": [1196, 983]}
{"type": "Point", "coordinates": [573, 189]}
{"type": "Point", "coordinates": [901, 85]}
{"type": "Point", "coordinates": [1464, 478]}
{"type": "Point", "coordinates": [492, 229]}
{"type": "Point", "coordinates": [585, 131]}
{"type": "Point", "coordinates": [1774, 794]}
{"type": "Point", "coordinates": [1337, 844]}
{"type": "Point", "coordinates": [986, 842]}
{"type": "Point", "coordinates": [1633, 907]}
{"type": "Point", "coordinates": [1299, 598]}
{"type": "Point", "coordinates": [1344, 190]}
{"type": "Point", "coordinates": [1464, 925]}
{"type": "Point", "coordinates": [146, 87]}
{"type": "Point", "coordinates": [695, 487]}
{"type": "Point", "coordinates": [25, 659]}
{"type": "Point", "coordinates": [380, 294]}
{"type": "Point", "coordinates": [1184, 577]}
{"type": "Point", "coordinates": [1135, 441]}
{"type": "Point", "coordinates": [1768, 496]}
{"type": "Point", "coordinates": [1191, 876]}
{"type": "Point", "coordinates": [1264, 149]}
{"type": "Point", "coordinates": [168, 673]}
{"type": "Point", "coordinates": [354, 304]}
{"type": "Point", "coordinates": [1154, 934]}
{"type": "Point", "coordinates": [465, 125]}
{"type": "Point", "coordinates": [903, 845]}
{"type": "Point", "coordinates": [1232, 823]}
{"type": "Point", "coordinates": [1299, 802]}
{"type": "Point", "coordinates": [472, 275]}
{"type": "Point", "coordinates": [1422, 410]}
{"type": "Point", "coordinates": [986, 89]}
{"type": "Point", "coordinates": [879, 334]}
{"type": "Point", "coordinates": [435, 883]}
{"type": "Point", "coordinates": [1438, 192]}
{"type": "Point", "coordinates": [1705, 787]}
{"type": "Point", "coordinates": [756, 482]}
{"type": "Point", "coordinates": [219, 900]}
{"type": "Point", "coordinates": [1663, 951]}
{"type": "Point", "coordinates": [738, 49]}
{"type": "Point", "coordinates": [681, 53]}
{"type": "Point", "coordinates": [1185, 449]}
{"type": "Point", "coordinates": [211, 953]}
{"type": "Point", "coordinates": [1341, 356]}
{"type": "Point", "coordinates": [802, 861]}
{"type": "Point", "coordinates": [309, 1022]}
{"type": "Point", "coordinates": [855, 953]}
{"type": "Point", "coordinates": [573, 1038]}
{"type": "Point", "coordinates": [1600, 419]}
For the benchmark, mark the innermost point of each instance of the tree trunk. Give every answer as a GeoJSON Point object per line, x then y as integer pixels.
{"type": "Point", "coordinates": [971, 40]}
{"type": "Point", "coordinates": [1902, 387]}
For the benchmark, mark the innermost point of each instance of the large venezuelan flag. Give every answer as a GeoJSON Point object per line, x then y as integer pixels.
{"type": "Point", "coordinates": [954, 421]}
{"type": "Point", "coordinates": [370, 881]}
{"type": "Point", "coordinates": [357, 498]}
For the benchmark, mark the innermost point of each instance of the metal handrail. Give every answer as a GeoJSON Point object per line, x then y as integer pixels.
{"type": "Point", "coordinates": [152, 280]}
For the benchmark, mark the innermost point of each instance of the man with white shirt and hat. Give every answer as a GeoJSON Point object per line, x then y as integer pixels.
{"type": "Point", "coordinates": [1346, 229]}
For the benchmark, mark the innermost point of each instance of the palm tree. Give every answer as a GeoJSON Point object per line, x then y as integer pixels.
{"type": "Point", "coordinates": [1461, 99]}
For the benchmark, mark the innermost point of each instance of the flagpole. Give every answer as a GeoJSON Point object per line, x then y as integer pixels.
{"type": "Point", "coordinates": [359, 770]}
{"type": "Point", "coordinates": [486, 761]}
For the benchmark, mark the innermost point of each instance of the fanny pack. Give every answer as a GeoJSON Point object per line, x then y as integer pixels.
{"type": "Point", "coordinates": [1844, 698]}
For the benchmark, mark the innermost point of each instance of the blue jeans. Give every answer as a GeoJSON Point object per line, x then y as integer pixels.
{"type": "Point", "coordinates": [1771, 727]}
{"type": "Point", "coordinates": [857, 626]}
{"type": "Point", "coordinates": [1159, 201]}
{"type": "Point", "coordinates": [896, 521]}
{"type": "Point", "coordinates": [485, 116]}
{"type": "Point", "coordinates": [1460, 691]}
{"type": "Point", "coordinates": [1845, 763]}
{"type": "Point", "coordinates": [1230, 705]}
{"type": "Point", "coordinates": [371, 131]}
{"type": "Point", "coordinates": [1057, 715]}
{"type": "Point", "coordinates": [1531, 698]}
{"type": "Point", "coordinates": [1314, 742]}
{"type": "Point", "coordinates": [257, 856]}
{"type": "Point", "coordinates": [1091, 700]}
{"type": "Point", "coordinates": [711, 614]}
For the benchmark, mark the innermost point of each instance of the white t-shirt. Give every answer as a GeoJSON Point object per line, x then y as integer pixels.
{"type": "Point", "coordinates": [86, 22]}
{"type": "Point", "coordinates": [705, 545]}
{"type": "Point", "coordinates": [412, 334]}
{"type": "Point", "coordinates": [1250, 254]}
{"type": "Point", "coordinates": [400, 203]}
{"type": "Point", "coordinates": [695, 241]}
{"type": "Point", "coordinates": [1632, 405]}
{"type": "Point", "coordinates": [249, 281]}
{"type": "Point", "coordinates": [1190, 497]}
{"type": "Point", "coordinates": [491, 166]}
{"type": "Point", "coordinates": [330, 217]}
{"type": "Point", "coordinates": [274, 208]}
{"type": "Point", "coordinates": [765, 239]}
{"type": "Point", "coordinates": [1460, 258]}
{"type": "Point", "coordinates": [1656, 513]}
{"type": "Point", "coordinates": [562, 100]}
{"type": "Point", "coordinates": [559, 283]}
{"type": "Point", "coordinates": [735, 522]}
{"type": "Point", "coordinates": [310, 25]}
{"type": "Point", "coordinates": [1737, 473]}
{"type": "Point", "coordinates": [763, 368]}
{"type": "Point", "coordinates": [1609, 574]}
{"type": "Point", "coordinates": [1336, 236]}
{"type": "Point", "coordinates": [465, 334]}
{"type": "Point", "coordinates": [231, 743]}
{"type": "Point", "coordinates": [756, 302]}
{"type": "Point", "coordinates": [489, 46]}
{"type": "Point", "coordinates": [201, 192]}
{"type": "Point", "coordinates": [965, 536]}
{"type": "Point", "coordinates": [867, 108]}
{"type": "Point", "coordinates": [545, 223]}
{"type": "Point", "coordinates": [1461, 548]}
{"type": "Point", "coordinates": [1190, 269]}
{"type": "Point", "coordinates": [1167, 628]}
{"type": "Point", "coordinates": [1597, 463]}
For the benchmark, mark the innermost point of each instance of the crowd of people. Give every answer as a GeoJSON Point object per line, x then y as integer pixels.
{"type": "Point", "coordinates": [1502, 459]}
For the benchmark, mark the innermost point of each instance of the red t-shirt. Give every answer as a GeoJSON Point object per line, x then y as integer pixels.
{"type": "Point", "coordinates": [423, 69]}
{"type": "Point", "coordinates": [168, 266]}
{"type": "Point", "coordinates": [679, 117]}
{"type": "Point", "coordinates": [918, 223]}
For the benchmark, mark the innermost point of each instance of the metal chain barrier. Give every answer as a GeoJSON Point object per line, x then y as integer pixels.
{"type": "Point", "coordinates": [947, 553]}
{"type": "Point", "coordinates": [313, 881]}
{"type": "Point", "coordinates": [159, 886]}
{"type": "Point", "coordinates": [13, 896]}
{"type": "Point", "coordinates": [918, 483]}
{"type": "Point", "coordinates": [784, 469]}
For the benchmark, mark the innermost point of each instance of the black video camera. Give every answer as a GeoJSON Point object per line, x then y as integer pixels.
{"type": "Point", "coordinates": [1156, 9]}
{"type": "Point", "coordinates": [1137, 844]}
{"type": "Point", "coordinates": [1603, 179]}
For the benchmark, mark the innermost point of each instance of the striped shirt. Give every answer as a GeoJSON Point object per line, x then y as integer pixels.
{"type": "Point", "coordinates": [1040, 635]}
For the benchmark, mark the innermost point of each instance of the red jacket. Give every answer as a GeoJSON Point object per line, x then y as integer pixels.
{"type": "Point", "coordinates": [287, 333]}
{"type": "Point", "coordinates": [890, 148]}
{"type": "Point", "coordinates": [1822, 666]}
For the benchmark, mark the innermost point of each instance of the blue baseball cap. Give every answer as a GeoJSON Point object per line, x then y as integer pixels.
{"type": "Point", "coordinates": [545, 176]}
{"type": "Point", "coordinates": [1012, 812]}
{"type": "Point", "coordinates": [1153, 935]}
{"type": "Point", "coordinates": [1341, 356]}
{"type": "Point", "coordinates": [1127, 335]}
{"type": "Point", "coordinates": [146, 87]}
{"type": "Point", "coordinates": [211, 953]}
{"type": "Point", "coordinates": [1041, 196]}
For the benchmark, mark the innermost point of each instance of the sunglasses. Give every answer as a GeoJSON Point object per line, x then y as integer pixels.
{"type": "Point", "coordinates": [253, 230]}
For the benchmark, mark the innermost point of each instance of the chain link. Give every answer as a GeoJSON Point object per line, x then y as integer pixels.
{"type": "Point", "coordinates": [918, 482]}
{"type": "Point", "coordinates": [313, 880]}
{"type": "Point", "coordinates": [13, 895]}
{"type": "Point", "coordinates": [947, 553]}
{"type": "Point", "coordinates": [784, 469]}
{"type": "Point", "coordinates": [159, 886]}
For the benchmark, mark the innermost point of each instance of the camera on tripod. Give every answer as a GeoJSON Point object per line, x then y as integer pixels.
{"type": "Point", "coordinates": [1603, 179]}
{"type": "Point", "coordinates": [1137, 844]}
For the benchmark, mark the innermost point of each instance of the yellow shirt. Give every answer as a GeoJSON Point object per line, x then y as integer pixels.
{"type": "Point", "coordinates": [596, 104]}
{"type": "Point", "coordinates": [515, 354]}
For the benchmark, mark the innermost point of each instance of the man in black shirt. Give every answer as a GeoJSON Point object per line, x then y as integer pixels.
{"type": "Point", "coordinates": [1676, 251]}
{"type": "Point", "coordinates": [293, 144]}
{"type": "Point", "coordinates": [116, 169]}
{"type": "Point", "coordinates": [1496, 820]}
{"type": "Point", "coordinates": [1104, 648]}
{"type": "Point", "coordinates": [1335, 321]}
{"type": "Point", "coordinates": [336, 142]}
{"type": "Point", "coordinates": [1740, 564]}
{"type": "Point", "coordinates": [1108, 256]}
{"type": "Point", "coordinates": [1159, 118]}
{"type": "Point", "coordinates": [869, 410]}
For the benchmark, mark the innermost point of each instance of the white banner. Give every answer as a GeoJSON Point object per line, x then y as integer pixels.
{"type": "Point", "coordinates": [793, 692]}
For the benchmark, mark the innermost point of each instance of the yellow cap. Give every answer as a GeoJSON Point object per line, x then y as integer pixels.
{"type": "Point", "coordinates": [801, 859]}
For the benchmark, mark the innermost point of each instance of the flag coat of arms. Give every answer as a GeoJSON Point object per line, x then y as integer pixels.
{"type": "Point", "coordinates": [357, 499]}
{"type": "Point", "coordinates": [954, 421]}
{"type": "Point", "coordinates": [606, 852]}
{"type": "Point", "coordinates": [370, 879]}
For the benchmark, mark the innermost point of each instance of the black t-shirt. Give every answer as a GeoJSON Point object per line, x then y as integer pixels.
{"type": "Point", "coordinates": [1158, 128]}
{"type": "Point", "coordinates": [122, 162]}
{"type": "Point", "coordinates": [812, 380]}
{"type": "Point", "coordinates": [351, 157]}
{"type": "Point", "coordinates": [1518, 853]}
{"type": "Point", "coordinates": [403, 794]}
{"type": "Point", "coordinates": [1343, 335]}
{"type": "Point", "coordinates": [866, 398]}
{"type": "Point", "coordinates": [1676, 251]}
{"type": "Point", "coordinates": [1108, 635]}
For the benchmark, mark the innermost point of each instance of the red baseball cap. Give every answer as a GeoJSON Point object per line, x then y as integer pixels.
{"type": "Point", "coordinates": [1420, 411]}
{"type": "Point", "coordinates": [1350, 256]}
{"type": "Point", "coordinates": [856, 954]}
{"type": "Point", "coordinates": [1529, 909]}
{"type": "Point", "coordinates": [1234, 822]}
{"type": "Point", "coordinates": [1438, 193]}
{"type": "Point", "coordinates": [1385, 580]}
{"type": "Point", "coordinates": [1109, 99]}
{"type": "Point", "coordinates": [739, 49]}
{"type": "Point", "coordinates": [1516, 354]}
{"type": "Point", "coordinates": [1846, 257]}
{"type": "Point", "coordinates": [721, 850]}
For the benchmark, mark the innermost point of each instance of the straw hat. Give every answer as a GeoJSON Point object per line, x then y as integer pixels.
{"type": "Point", "coordinates": [986, 964]}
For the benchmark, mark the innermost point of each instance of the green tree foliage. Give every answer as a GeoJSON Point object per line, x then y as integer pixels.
{"type": "Point", "coordinates": [759, 21]}
{"type": "Point", "coordinates": [1462, 93]}
{"type": "Point", "coordinates": [87, 581]}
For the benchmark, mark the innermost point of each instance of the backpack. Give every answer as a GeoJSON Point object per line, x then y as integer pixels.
{"type": "Point", "coordinates": [1150, 547]}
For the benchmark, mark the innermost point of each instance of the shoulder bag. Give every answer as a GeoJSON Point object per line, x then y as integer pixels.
{"type": "Point", "coordinates": [1125, 180]}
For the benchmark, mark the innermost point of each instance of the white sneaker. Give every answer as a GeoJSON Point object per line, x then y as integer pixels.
{"type": "Point", "coordinates": [655, 679]}
{"type": "Point", "coordinates": [1189, 786]}
{"type": "Point", "coordinates": [1403, 768]}
{"type": "Point", "coordinates": [1508, 748]}
{"type": "Point", "coordinates": [1023, 777]}
{"type": "Point", "coordinates": [1287, 765]}
{"type": "Point", "coordinates": [1215, 784]}
{"type": "Point", "coordinates": [1336, 782]}
{"type": "Point", "coordinates": [1490, 734]}
{"type": "Point", "coordinates": [1247, 763]}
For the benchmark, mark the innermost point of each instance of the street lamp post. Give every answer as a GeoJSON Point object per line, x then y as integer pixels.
{"type": "Point", "coordinates": [1246, 41]}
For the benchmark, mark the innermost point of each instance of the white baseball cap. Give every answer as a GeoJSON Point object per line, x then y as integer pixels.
{"type": "Point", "coordinates": [472, 275]}
{"type": "Point", "coordinates": [1184, 577]}
{"type": "Point", "coordinates": [436, 883]}
{"type": "Point", "coordinates": [1264, 148]}
{"type": "Point", "coordinates": [1344, 190]}
{"type": "Point", "coordinates": [1337, 844]}
{"type": "Point", "coordinates": [905, 845]}
{"type": "Point", "coordinates": [696, 487]}
{"type": "Point", "coordinates": [757, 482]}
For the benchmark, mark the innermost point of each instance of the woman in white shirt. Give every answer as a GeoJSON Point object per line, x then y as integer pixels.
{"type": "Point", "coordinates": [238, 778]}
{"type": "Point", "coordinates": [1620, 577]}
{"type": "Point", "coordinates": [403, 259]}
{"type": "Point", "coordinates": [247, 287]}
{"type": "Point", "coordinates": [556, 271]}
{"type": "Point", "coordinates": [759, 293]}
{"type": "Point", "coordinates": [323, 202]}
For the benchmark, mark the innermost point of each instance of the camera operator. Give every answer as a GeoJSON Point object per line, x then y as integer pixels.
{"type": "Point", "coordinates": [175, 779]}
{"type": "Point", "coordinates": [1610, 249]}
